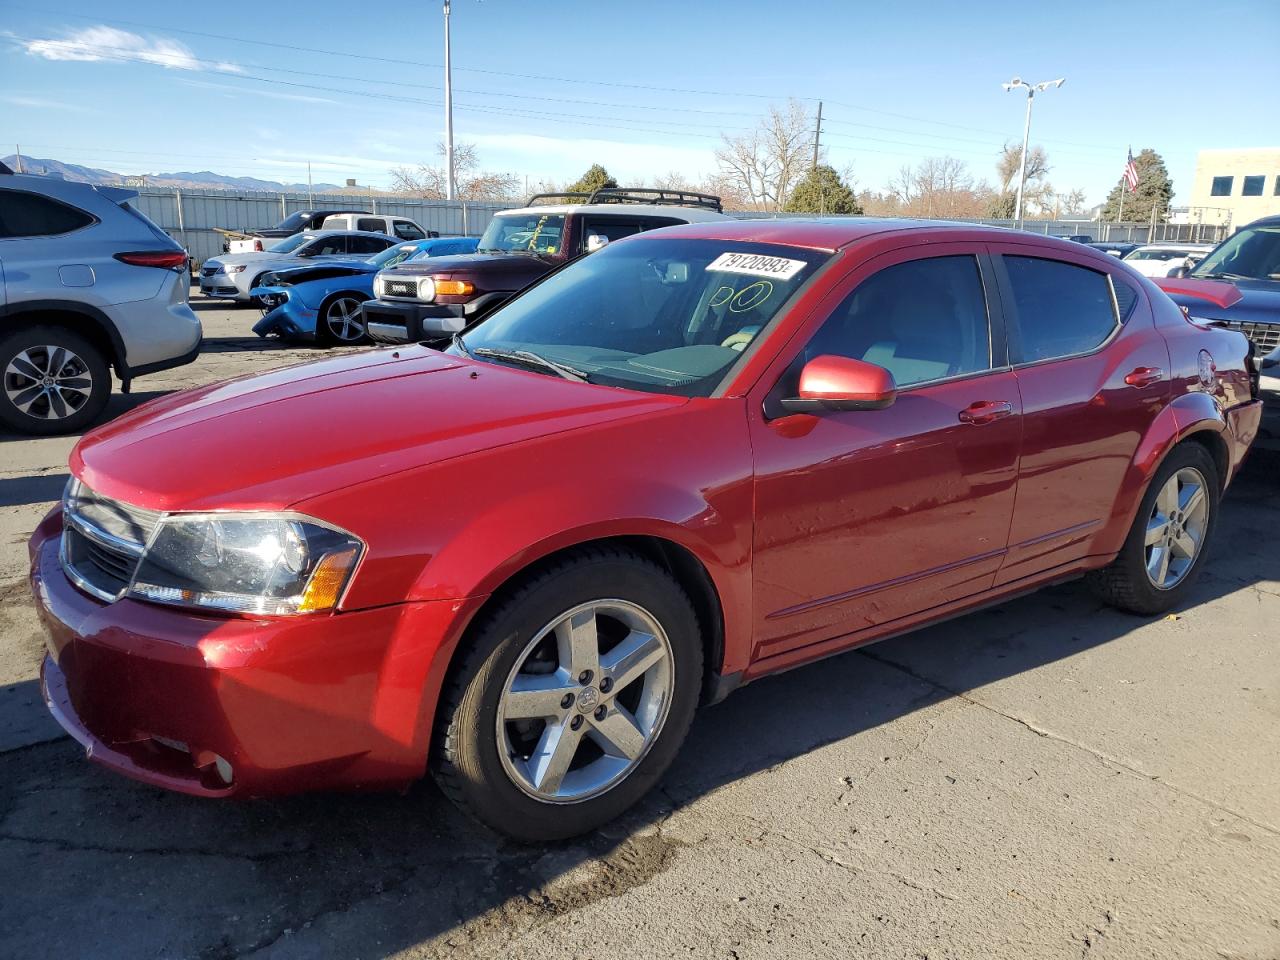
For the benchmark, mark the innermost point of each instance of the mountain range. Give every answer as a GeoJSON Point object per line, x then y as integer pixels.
{"type": "Point", "coordinates": [203, 178]}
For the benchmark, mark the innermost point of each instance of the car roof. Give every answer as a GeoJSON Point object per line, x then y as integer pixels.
{"type": "Point", "coordinates": [1272, 221]}
{"type": "Point", "coordinates": [670, 210]}
{"type": "Point", "coordinates": [833, 233]}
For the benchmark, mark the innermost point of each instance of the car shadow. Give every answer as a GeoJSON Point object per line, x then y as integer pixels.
{"type": "Point", "coordinates": [117, 405]}
{"type": "Point", "coordinates": [372, 875]}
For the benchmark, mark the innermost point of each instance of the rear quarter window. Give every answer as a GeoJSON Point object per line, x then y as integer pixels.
{"type": "Point", "coordinates": [1061, 309]}
{"type": "Point", "coordinates": [25, 214]}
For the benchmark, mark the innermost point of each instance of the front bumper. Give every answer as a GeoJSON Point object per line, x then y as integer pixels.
{"type": "Point", "coordinates": [217, 707]}
{"type": "Point", "coordinates": [393, 321]}
{"type": "Point", "coordinates": [224, 286]}
{"type": "Point", "coordinates": [284, 315]}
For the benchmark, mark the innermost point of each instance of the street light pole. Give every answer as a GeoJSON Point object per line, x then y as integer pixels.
{"type": "Point", "coordinates": [1032, 90]}
{"type": "Point", "coordinates": [450, 186]}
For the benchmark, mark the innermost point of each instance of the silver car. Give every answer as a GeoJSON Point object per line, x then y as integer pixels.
{"type": "Point", "coordinates": [232, 275]}
{"type": "Point", "coordinates": [87, 283]}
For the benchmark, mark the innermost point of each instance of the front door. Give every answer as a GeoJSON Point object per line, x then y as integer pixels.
{"type": "Point", "coordinates": [864, 517]}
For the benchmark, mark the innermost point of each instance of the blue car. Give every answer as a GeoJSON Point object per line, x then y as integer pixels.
{"type": "Point", "coordinates": [321, 302]}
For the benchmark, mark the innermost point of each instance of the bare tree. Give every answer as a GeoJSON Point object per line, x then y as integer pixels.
{"type": "Point", "coordinates": [431, 181]}
{"type": "Point", "coordinates": [936, 187]}
{"type": "Point", "coordinates": [1037, 192]}
{"type": "Point", "coordinates": [764, 164]}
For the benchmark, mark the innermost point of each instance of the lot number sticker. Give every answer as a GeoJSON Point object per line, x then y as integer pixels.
{"type": "Point", "coordinates": [757, 265]}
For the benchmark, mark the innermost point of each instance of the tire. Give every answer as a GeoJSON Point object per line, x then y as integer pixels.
{"type": "Point", "coordinates": [52, 381]}
{"type": "Point", "coordinates": [257, 282]}
{"type": "Point", "coordinates": [1127, 582]}
{"type": "Point", "coordinates": [486, 739]}
{"type": "Point", "coordinates": [331, 325]}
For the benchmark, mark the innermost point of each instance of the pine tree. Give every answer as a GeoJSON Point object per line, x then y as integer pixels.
{"type": "Point", "coordinates": [1155, 189]}
{"type": "Point", "coordinates": [596, 178]}
{"type": "Point", "coordinates": [822, 191]}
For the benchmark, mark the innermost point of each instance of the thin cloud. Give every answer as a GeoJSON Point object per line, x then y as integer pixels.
{"type": "Point", "coordinates": [255, 92]}
{"type": "Point", "coordinates": [41, 103]}
{"type": "Point", "coordinates": [103, 43]}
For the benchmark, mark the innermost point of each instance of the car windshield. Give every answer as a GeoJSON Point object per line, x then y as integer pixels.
{"type": "Point", "coordinates": [653, 314]}
{"type": "Point", "coordinates": [290, 243]}
{"type": "Point", "coordinates": [507, 233]}
{"type": "Point", "coordinates": [294, 221]}
{"type": "Point", "coordinates": [1252, 254]}
{"type": "Point", "coordinates": [393, 255]}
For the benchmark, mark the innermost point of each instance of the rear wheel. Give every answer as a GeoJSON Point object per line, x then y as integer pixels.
{"type": "Point", "coordinates": [340, 322]}
{"type": "Point", "coordinates": [54, 381]}
{"type": "Point", "coordinates": [572, 699]}
{"type": "Point", "coordinates": [1164, 550]}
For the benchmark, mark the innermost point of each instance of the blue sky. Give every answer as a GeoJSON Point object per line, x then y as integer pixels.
{"type": "Point", "coordinates": [545, 89]}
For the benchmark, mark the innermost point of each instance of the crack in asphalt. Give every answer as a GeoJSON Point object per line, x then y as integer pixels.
{"type": "Point", "coordinates": [1096, 754]}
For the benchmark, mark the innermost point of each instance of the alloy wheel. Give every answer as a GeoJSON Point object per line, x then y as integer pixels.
{"type": "Point", "coordinates": [1176, 528]}
{"type": "Point", "coordinates": [48, 382]}
{"type": "Point", "coordinates": [343, 319]}
{"type": "Point", "coordinates": [585, 701]}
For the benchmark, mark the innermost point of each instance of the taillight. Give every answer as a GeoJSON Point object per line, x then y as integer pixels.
{"type": "Point", "coordinates": [165, 259]}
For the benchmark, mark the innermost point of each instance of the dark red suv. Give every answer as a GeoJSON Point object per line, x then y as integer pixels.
{"type": "Point", "coordinates": [699, 456]}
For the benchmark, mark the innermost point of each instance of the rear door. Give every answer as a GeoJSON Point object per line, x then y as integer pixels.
{"type": "Point", "coordinates": [864, 517]}
{"type": "Point", "coordinates": [1092, 372]}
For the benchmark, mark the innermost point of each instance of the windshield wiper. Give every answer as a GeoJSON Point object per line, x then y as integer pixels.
{"type": "Point", "coordinates": [461, 344]}
{"type": "Point", "coordinates": [1221, 276]}
{"type": "Point", "coordinates": [531, 359]}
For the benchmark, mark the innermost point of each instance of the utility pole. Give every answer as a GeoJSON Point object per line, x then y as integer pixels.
{"type": "Point", "coordinates": [450, 186]}
{"type": "Point", "coordinates": [311, 200]}
{"type": "Point", "coordinates": [1032, 89]}
{"type": "Point", "coordinates": [817, 135]}
{"type": "Point", "coordinates": [17, 147]}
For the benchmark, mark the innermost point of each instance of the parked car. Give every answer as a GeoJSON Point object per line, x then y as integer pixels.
{"type": "Point", "coordinates": [402, 228]}
{"type": "Point", "coordinates": [517, 248]}
{"type": "Point", "coordinates": [321, 302]}
{"type": "Point", "coordinates": [1117, 249]}
{"type": "Point", "coordinates": [1164, 259]}
{"type": "Point", "coordinates": [1075, 237]}
{"type": "Point", "coordinates": [233, 275]}
{"type": "Point", "coordinates": [1237, 286]}
{"type": "Point", "coordinates": [300, 222]}
{"type": "Point", "coordinates": [87, 284]}
{"type": "Point", "coordinates": [700, 456]}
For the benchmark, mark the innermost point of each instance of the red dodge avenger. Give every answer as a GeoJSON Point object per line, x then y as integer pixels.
{"type": "Point", "coordinates": [700, 456]}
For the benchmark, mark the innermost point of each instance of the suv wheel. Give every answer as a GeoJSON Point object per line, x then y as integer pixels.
{"type": "Point", "coordinates": [54, 381]}
{"type": "Point", "coordinates": [572, 699]}
{"type": "Point", "coordinates": [1164, 550]}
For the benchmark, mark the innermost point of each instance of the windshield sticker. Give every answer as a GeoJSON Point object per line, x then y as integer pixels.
{"type": "Point", "coordinates": [751, 296]}
{"type": "Point", "coordinates": [757, 265]}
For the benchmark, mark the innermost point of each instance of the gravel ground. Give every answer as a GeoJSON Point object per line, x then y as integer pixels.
{"type": "Point", "coordinates": [1048, 778]}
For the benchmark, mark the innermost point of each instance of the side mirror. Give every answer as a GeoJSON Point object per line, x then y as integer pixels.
{"type": "Point", "coordinates": [596, 241]}
{"type": "Point", "coordinates": [1181, 271]}
{"type": "Point", "coordinates": [829, 382]}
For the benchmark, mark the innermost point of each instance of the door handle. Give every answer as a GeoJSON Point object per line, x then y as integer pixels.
{"type": "Point", "coordinates": [1144, 376]}
{"type": "Point", "coordinates": [984, 411]}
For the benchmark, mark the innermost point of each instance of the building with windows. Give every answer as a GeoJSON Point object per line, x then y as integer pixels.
{"type": "Point", "coordinates": [1235, 187]}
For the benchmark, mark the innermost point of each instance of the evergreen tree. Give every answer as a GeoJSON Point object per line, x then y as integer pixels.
{"type": "Point", "coordinates": [1155, 189]}
{"type": "Point", "coordinates": [596, 178]}
{"type": "Point", "coordinates": [822, 191]}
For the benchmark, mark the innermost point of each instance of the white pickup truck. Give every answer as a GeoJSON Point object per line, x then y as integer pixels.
{"type": "Point", "coordinates": [401, 228]}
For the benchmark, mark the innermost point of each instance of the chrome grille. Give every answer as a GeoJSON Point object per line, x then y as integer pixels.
{"type": "Point", "coordinates": [400, 288]}
{"type": "Point", "coordinates": [208, 271]}
{"type": "Point", "coordinates": [1264, 336]}
{"type": "Point", "coordinates": [102, 541]}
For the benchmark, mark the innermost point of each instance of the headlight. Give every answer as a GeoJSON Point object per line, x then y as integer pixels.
{"type": "Point", "coordinates": [237, 268]}
{"type": "Point", "coordinates": [246, 563]}
{"type": "Point", "coordinates": [426, 289]}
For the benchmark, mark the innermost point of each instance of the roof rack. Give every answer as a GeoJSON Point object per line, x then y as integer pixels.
{"type": "Point", "coordinates": [653, 195]}
{"type": "Point", "coordinates": [673, 198]}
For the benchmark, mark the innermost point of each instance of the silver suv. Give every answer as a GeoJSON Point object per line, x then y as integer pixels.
{"type": "Point", "coordinates": [87, 283]}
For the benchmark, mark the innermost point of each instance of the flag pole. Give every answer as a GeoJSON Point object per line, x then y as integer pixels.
{"type": "Point", "coordinates": [1120, 215]}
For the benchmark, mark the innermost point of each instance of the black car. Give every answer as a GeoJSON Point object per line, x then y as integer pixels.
{"type": "Point", "coordinates": [1248, 260]}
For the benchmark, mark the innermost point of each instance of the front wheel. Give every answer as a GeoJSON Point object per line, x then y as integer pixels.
{"type": "Point", "coordinates": [54, 381]}
{"type": "Point", "coordinates": [572, 698]}
{"type": "Point", "coordinates": [341, 322]}
{"type": "Point", "coordinates": [1164, 551]}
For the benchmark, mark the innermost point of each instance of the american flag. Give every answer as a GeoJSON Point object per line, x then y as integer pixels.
{"type": "Point", "coordinates": [1131, 173]}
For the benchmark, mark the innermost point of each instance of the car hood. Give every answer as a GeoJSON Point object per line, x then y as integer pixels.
{"type": "Point", "coordinates": [489, 264]}
{"type": "Point", "coordinates": [272, 440]}
{"type": "Point", "coordinates": [1252, 301]}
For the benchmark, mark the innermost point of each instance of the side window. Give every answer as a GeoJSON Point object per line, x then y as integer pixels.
{"type": "Point", "coordinates": [408, 231]}
{"type": "Point", "coordinates": [327, 246]}
{"type": "Point", "coordinates": [1061, 309]}
{"type": "Point", "coordinates": [921, 320]}
{"type": "Point", "coordinates": [610, 229]}
{"type": "Point", "coordinates": [372, 224]}
{"type": "Point", "coordinates": [367, 244]}
{"type": "Point", "coordinates": [1126, 297]}
{"type": "Point", "coordinates": [31, 215]}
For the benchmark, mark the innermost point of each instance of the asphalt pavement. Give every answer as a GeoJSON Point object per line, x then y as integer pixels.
{"type": "Point", "coordinates": [1045, 779]}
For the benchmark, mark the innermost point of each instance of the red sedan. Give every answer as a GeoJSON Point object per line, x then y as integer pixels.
{"type": "Point", "coordinates": [699, 456]}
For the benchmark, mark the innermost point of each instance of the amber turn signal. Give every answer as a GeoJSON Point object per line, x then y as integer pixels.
{"type": "Point", "coordinates": [454, 288]}
{"type": "Point", "coordinates": [325, 586]}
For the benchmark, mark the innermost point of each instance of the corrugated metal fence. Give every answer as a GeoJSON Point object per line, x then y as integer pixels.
{"type": "Point", "coordinates": [190, 216]}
